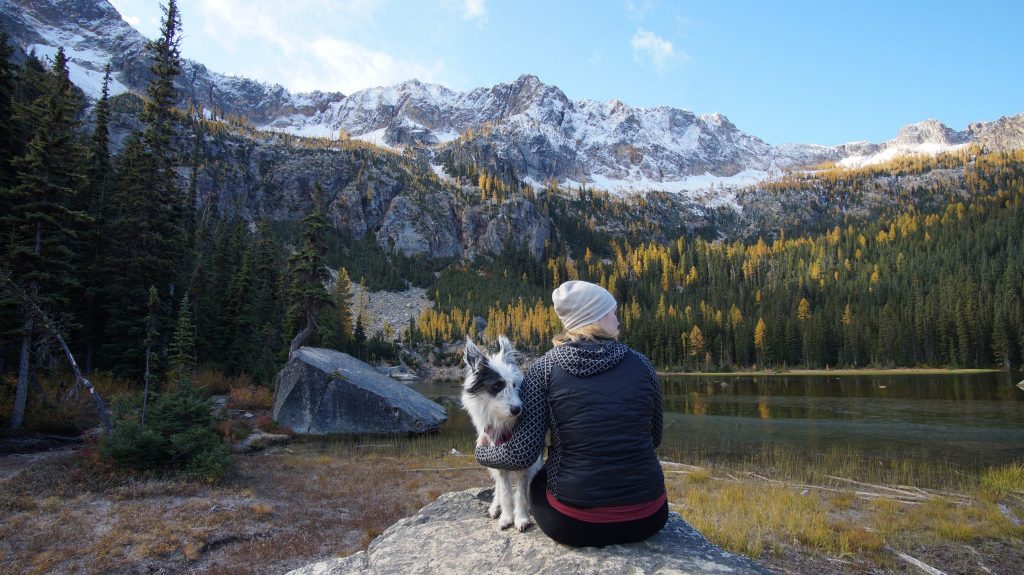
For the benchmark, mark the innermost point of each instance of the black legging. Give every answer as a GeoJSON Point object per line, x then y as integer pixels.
{"type": "Point", "coordinates": [576, 533]}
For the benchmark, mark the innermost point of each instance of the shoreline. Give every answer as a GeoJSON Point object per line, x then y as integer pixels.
{"type": "Point", "coordinates": [839, 372]}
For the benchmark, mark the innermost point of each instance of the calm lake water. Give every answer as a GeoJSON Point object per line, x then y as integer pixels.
{"type": "Point", "coordinates": [972, 420]}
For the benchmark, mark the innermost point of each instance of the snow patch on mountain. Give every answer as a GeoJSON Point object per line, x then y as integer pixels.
{"type": "Point", "coordinates": [85, 67]}
{"type": "Point", "coordinates": [525, 125]}
{"type": "Point", "coordinates": [891, 152]}
{"type": "Point", "coordinates": [376, 137]}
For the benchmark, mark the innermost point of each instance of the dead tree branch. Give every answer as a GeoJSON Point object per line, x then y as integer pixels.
{"type": "Point", "coordinates": [47, 323]}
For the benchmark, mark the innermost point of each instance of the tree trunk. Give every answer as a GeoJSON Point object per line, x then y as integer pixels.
{"type": "Point", "coordinates": [145, 390]}
{"type": "Point", "coordinates": [303, 335]}
{"type": "Point", "coordinates": [21, 394]}
{"type": "Point", "coordinates": [296, 343]}
{"type": "Point", "coordinates": [33, 311]}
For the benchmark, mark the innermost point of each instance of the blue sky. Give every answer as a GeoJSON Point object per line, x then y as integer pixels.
{"type": "Point", "coordinates": [823, 72]}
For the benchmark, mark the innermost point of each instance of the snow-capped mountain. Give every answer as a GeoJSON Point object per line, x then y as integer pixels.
{"type": "Point", "coordinates": [525, 125]}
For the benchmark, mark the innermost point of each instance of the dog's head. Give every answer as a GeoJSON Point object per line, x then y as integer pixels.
{"type": "Point", "coordinates": [492, 381]}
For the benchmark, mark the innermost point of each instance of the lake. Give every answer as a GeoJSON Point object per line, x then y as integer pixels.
{"type": "Point", "coordinates": [969, 420]}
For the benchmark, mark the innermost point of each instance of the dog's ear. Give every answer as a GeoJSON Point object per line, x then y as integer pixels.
{"type": "Point", "coordinates": [508, 353]}
{"type": "Point", "coordinates": [472, 356]}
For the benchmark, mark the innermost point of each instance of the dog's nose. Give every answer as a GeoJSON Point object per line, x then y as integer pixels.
{"type": "Point", "coordinates": [515, 409]}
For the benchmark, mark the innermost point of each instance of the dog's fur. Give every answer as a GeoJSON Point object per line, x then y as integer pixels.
{"type": "Point", "coordinates": [490, 393]}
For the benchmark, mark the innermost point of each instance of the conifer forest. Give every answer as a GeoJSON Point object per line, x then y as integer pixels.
{"type": "Point", "coordinates": [144, 279]}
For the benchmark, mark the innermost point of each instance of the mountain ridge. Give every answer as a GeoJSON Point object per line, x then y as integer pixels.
{"type": "Point", "coordinates": [526, 126]}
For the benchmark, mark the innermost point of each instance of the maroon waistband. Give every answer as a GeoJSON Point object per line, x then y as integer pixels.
{"type": "Point", "coordinates": [613, 514]}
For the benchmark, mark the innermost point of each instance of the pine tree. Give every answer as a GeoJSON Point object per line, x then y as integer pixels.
{"type": "Point", "coordinates": [42, 221]}
{"type": "Point", "coordinates": [10, 144]}
{"type": "Point", "coordinates": [152, 319]}
{"type": "Point", "coordinates": [165, 65]}
{"type": "Point", "coordinates": [146, 235]}
{"type": "Point", "coordinates": [307, 296]}
{"type": "Point", "coordinates": [100, 174]}
{"type": "Point", "coordinates": [182, 352]}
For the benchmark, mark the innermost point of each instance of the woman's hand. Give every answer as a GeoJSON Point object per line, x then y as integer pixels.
{"type": "Point", "coordinates": [483, 440]}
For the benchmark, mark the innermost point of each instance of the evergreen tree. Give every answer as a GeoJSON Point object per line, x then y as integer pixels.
{"type": "Point", "coordinates": [153, 306]}
{"type": "Point", "coordinates": [146, 234]}
{"type": "Point", "coordinates": [10, 144]}
{"type": "Point", "coordinates": [307, 296]}
{"type": "Point", "coordinates": [255, 308]}
{"type": "Point", "coordinates": [100, 174]}
{"type": "Point", "coordinates": [182, 352]}
{"type": "Point", "coordinates": [41, 220]}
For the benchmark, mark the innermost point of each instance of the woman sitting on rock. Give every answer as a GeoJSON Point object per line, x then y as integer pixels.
{"type": "Point", "coordinates": [602, 483]}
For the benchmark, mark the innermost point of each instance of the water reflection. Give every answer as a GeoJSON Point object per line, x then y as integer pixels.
{"type": "Point", "coordinates": [971, 419]}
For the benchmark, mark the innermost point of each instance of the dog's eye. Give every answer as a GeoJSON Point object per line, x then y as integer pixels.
{"type": "Point", "coordinates": [497, 387]}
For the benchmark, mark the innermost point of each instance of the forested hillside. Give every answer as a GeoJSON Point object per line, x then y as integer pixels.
{"type": "Point", "coordinates": [935, 281]}
{"type": "Point", "coordinates": [915, 262]}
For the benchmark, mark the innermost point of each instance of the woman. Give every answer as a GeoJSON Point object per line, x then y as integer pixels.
{"type": "Point", "coordinates": [601, 483]}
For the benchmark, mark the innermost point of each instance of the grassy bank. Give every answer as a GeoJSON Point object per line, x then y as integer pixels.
{"type": "Point", "coordinates": [312, 500]}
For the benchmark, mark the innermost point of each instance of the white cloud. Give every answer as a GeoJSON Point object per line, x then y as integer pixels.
{"type": "Point", "coordinates": [309, 60]}
{"type": "Point", "coordinates": [473, 9]}
{"type": "Point", "coordinates": [470, 9]}
{"type": "Point", "coordinates": [349, 67]}
{"type": "Point", "coordinates": [133, 20]}
{"type": "Point", "coordinates": [648, 46]}
{"type": "Point", "coordinates": [638, 9]}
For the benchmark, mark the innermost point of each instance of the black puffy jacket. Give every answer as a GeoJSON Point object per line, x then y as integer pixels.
{"type": "Point", "coordinates": [603, 405]}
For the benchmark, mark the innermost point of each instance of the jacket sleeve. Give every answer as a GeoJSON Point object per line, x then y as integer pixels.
{"type": "Point", "coordinates": [658, 417]}
{"type": "Point", "coordinates": [527, 441]}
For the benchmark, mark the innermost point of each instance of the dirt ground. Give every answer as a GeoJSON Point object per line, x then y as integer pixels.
{"type": "Point", "coordinates": [290, 506]}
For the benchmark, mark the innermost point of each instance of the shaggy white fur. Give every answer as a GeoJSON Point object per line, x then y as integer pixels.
{"type": "Point", "coordinates": [490, 393]}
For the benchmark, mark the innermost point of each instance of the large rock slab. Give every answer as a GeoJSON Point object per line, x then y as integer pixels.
{"type": "Point", "coordinates": [323, 391]}
{"type": "Point", "coordinates": [454, 535]}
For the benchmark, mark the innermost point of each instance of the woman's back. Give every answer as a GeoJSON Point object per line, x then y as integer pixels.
{"type": "Point", "coordinates": [605, 424]}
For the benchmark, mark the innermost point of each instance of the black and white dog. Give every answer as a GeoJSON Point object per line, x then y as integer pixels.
{"type": "Point", "coordinates": [490, 393]}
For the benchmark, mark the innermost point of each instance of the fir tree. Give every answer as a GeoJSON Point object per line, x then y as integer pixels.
{"type": "Point", "coordinates": [42, 221]}
{"type": "Point", "coordinates": [146, 235]}
{"type": "Point", "coordinates": [10, 144]}
{"type": "Point", "coordinates": [152, 319]}
{"type": "Point", "coordinates": [100, 174]}
{"type": "Point", "coordinates": [183, 344]}
{"type": "Point", "coordinates": [307, 296]}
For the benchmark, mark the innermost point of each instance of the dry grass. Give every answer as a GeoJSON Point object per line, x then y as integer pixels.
{"type": "Point", "coordinates": [845, 523]}
{"type": "Point", "coordinates": [289, 507]}
{"type": "Point", "coordinates": [1000, 482]}
{"type": "Point", "coordinates": [250, 397]}
{"type": "Point", "coordinates": [283, 510]}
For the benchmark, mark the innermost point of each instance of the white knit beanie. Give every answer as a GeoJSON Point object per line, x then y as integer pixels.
{"type": "Point", "coordinates": [579, 303]}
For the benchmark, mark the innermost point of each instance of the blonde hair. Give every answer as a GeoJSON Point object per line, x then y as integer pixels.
{"type": "Point", "coordinates": [587, 333]}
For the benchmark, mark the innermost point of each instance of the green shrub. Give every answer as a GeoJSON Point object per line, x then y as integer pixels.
{"type": "Point", "coordinates": [178, 437]}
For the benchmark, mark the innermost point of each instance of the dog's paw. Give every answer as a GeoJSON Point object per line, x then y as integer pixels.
{"type": "Point", "coordinates": [505, 522]}
{"type": "Point", "coordinates": [522, 524]}
{"type": "Point", "coordinates": [494, 511]}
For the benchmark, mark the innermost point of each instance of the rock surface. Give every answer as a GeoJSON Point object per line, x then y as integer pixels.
{"type": "Point", "coordinates": [454, 535]}
{"type": "Point", "coordinates": [323, 391]}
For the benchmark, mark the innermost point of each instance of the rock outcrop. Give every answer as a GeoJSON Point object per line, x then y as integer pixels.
{"type": "Point", "coordinates": [323, 391]}
{"type": "Point", "coordinates": [454, 535]}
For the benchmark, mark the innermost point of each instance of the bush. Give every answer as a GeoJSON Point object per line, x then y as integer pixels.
{"type": "Point", "coordinates": [250, 397]}
{"type": "Point", "coordinates": [179, 437]}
